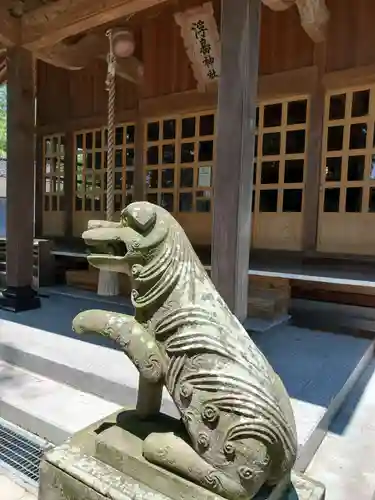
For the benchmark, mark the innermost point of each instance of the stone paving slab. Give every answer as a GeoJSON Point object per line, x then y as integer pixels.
{"type": "Point", "coordinates": [345, 461]}
{"type": "Point", "coordinates": [10, 490]}
{"type": "Point", "coordinates": [49, 409]}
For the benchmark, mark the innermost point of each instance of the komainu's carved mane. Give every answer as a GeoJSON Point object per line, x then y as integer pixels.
{"type": "Point", "coordinates": [194, 320]}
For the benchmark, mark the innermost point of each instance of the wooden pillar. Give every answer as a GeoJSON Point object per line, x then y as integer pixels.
{"type": "Point", "coordinates": [19, 294]}
{"type": "Point", "coordinates": [314, 155]}
{"type": "Point", "coordinates": [233, 173]}
{"type": "Point", "coordinates": [68, 183]}
{"type": "Point", "coordinates": [139, 177]}
{"type": "Point", "coordinates": [39, 191]}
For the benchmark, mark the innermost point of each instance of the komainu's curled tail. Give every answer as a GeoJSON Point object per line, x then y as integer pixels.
{"type": "Point", "coordinates": [234, 407]}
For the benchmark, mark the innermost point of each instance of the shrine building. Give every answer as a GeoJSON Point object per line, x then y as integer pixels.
{"type": "Point", "coordinates": [252, 122]}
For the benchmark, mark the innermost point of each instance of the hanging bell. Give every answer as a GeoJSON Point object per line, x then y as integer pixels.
{"type": "Point", "coordinates": [278, 5]}
{"type": "Point", "coordinates": [123, 43]}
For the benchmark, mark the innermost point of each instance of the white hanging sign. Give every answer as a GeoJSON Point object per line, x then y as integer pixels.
{"type": "Point", "coordinates": [204, 177]}
{"type": "Point", "coordinates": [202, 42]}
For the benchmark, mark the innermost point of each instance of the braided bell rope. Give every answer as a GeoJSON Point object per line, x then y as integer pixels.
{"type": "Point", "coordinates": [111, 89]}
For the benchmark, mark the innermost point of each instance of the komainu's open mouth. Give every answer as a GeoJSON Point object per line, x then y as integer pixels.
{"type": "Point", "coordinates": [111, 248]}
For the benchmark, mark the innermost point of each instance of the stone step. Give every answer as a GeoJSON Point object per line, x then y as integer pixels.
{"type": "Point", "coordinates": [48, 409]}
{"type": "Point", "coordinates": [102, 371]}
{"type": "Point", "coordinates": [268, 298]}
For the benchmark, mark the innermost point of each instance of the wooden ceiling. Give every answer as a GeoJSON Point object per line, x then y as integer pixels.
{"type": "Point", "coordinates": [44, 26]}
{"type": "Point", "coordinates": [20, 7]}
{"type": "Point", "coordinates": [68, 33]}
{"type": "Point", "coordinates": [37, 24]}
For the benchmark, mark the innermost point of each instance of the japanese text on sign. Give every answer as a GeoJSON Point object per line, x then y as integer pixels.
{"type": "Point", "coordinates": [200, 31]}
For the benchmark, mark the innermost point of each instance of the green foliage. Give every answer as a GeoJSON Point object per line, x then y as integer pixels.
{"type": "Point", "coordinates": [3, 121]}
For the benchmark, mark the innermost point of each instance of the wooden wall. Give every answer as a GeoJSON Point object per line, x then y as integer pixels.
{"type": "Point", "coordinates": [290, 65]}
{"type": "Point", "coordinates": [351, 36]}
{"type": "Point", "coordinates": [71, 96]}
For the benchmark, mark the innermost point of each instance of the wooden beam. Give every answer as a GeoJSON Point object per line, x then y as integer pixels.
{"type": "Point", "coordinates": [80, 54]}
{"type": "Point", "coordinates": [139, 171]}
{"type": "Point", "coordinates": [233, 174]}
{"type": "Point", "coordinates": [10, 28]}
{"type": "Point", "coordinates": [361, 76]}
{"type": "Point", "coordinates": [53, 22]}
{"type": "Point", "coordinates": [75, 56]}
{"type": "Point", "coordinates": [39, 187]}
{"type": "Point", "coordinates": [314, 155]}
{"type": "Point", "coordinates": [314, 15]}
{"type": "Point", "coordinates": [69, 182]}
{"type": "Point", "coordinates": [278, 5]}
{"type": "Point", "coordinates": [314, 18]}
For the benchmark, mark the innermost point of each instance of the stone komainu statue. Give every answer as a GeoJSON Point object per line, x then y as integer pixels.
{"type": "Point", "coordinates": [236, 411]}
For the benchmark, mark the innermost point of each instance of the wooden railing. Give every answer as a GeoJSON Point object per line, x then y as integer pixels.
{"type": "Point", "coordinates": [43, 263]}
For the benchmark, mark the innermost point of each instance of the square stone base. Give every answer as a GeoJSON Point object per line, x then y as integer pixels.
{"type": "Point", "coordinates": [106, 460]}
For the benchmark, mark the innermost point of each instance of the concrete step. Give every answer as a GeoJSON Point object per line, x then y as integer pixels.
{"type": "Point", "coordinates": [48, 409]}
{"type": "Point", "coordinates": [345, 460]}
{"type": "Point", "coordinates": [102, 371]}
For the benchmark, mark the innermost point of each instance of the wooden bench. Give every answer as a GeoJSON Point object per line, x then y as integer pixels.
{"type": "Point", "coordinates": [270, 290]}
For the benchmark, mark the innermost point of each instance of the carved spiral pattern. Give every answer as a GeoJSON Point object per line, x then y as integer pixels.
{"type": "Point", "coordinates": [210, 413]}
{"type": "Point", "coordinates": [203, 440]}
{"type": "Point", "coordinates": [153, 366]}
{"type": "Point", "coordinates": [188, 417]}
{"type": "Point", "coordinates": [186, 390]}
{"type": "Point", "coordinates": [213, 481]}
{"type": "Point", "coordinates": [164, 457]}
{"type": "Point", "coordinates": [245, 473]}
{"type": "Point", "coordinates": [229, 449]}
{"type": "Point", "coordinates": [136, 270]}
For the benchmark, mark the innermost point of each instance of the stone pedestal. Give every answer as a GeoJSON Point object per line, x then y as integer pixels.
{"type": "Point", "coordinates": [105, 461]}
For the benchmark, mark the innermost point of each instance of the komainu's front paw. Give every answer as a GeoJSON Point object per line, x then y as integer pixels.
{"type": "Point", "coordinates": [96, 321]}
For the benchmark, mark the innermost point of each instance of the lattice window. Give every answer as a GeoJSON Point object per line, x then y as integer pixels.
{"type": "Point", "coordinates": [280, 155]}
{"type": "Point", "coordinates": [348, 166]}
{"type": "Point", "coordinates": [91, 148]}
{"type": "Point", "coordinates": [53, 168]}
{"type": "Point", "coordinates": [179, 158]}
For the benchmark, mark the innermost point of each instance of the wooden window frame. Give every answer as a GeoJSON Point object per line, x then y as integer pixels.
{"type": "Point", "coordinates": [178, 165]}
{"type": "Point", "coordinates": [98, 191]}
{"type": "Point", "coordinates": [56, 175]}
{"type": "Point", "coordinates": [281, 186]}
{"type": "Point", "coordinates": [366, 183]}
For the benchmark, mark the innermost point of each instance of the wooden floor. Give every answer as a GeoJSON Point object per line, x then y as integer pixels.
{"type": "Point", "coordinates": [334, 271]}
{"type": "Point", "coordinates": [323, 279]}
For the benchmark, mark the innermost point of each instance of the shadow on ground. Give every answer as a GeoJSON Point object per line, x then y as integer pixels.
{"type": "Point", "coordinates": [57, 313]}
